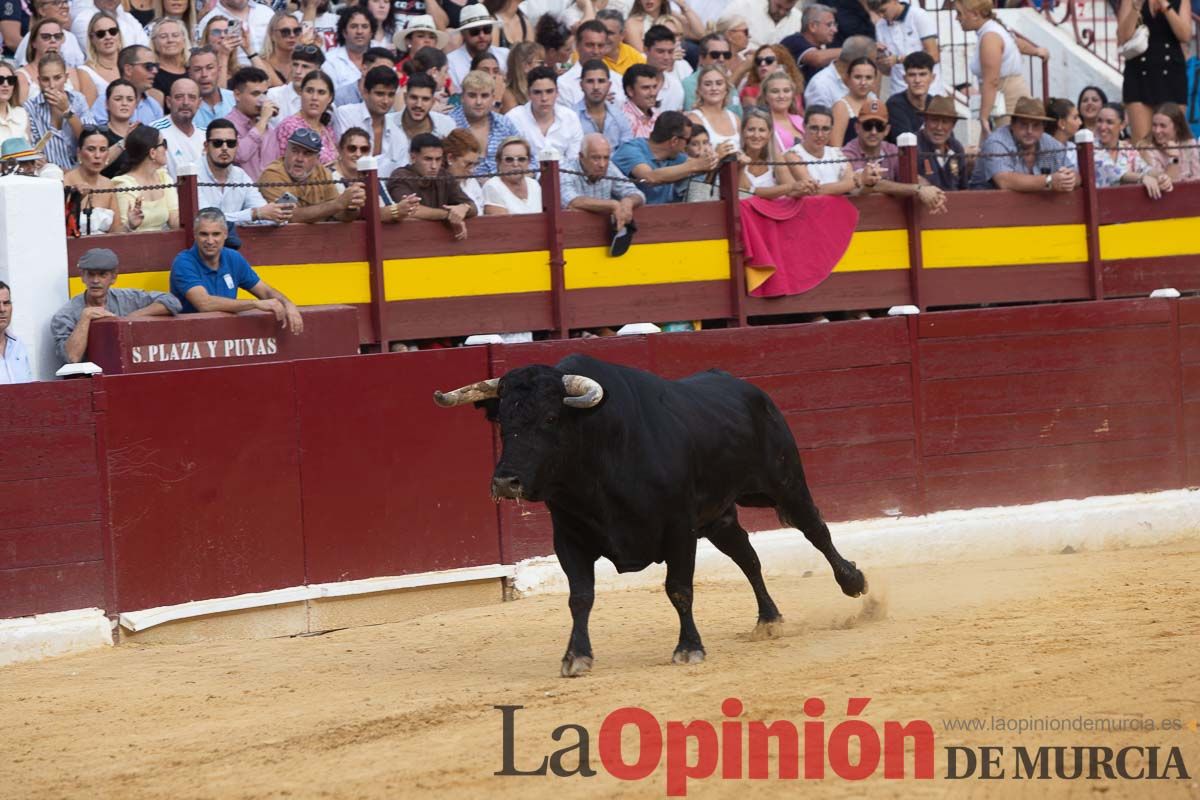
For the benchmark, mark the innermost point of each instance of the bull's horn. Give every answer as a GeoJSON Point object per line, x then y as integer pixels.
{"type": "Point", "coordinates": [581, 392]}
{"type": "Point", "coordinates": [471, 393]}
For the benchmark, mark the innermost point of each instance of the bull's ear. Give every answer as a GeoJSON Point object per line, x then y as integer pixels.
{"type": "Point", "coordinates": [491, 408]}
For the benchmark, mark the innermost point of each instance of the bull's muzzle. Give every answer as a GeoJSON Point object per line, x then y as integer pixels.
{"type": "Point", "coordinates": [507, 488]}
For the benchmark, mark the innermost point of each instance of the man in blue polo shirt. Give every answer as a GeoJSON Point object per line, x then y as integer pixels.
{"type": "Point", "coordinates": [658, 164]}
{"type": "Point", "coordinates": [207, 277]}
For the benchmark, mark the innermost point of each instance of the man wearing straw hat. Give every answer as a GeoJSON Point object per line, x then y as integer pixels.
{"type": "Point", "coordinates": [478, 28]}
{"type": "Point", "coordinates": [940, 159]}
{"type": "Point", "coordinates": [1022, 157]}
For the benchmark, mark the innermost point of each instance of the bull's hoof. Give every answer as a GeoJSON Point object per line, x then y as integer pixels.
{"type": "Point", "coordinates": [764, 630]}
{"type": "Point", "coordinates": [853, 583]}
{"type": "Point", "coordinates": [683, 656]}
{"type": "Point", "coordinates": [574, 666]}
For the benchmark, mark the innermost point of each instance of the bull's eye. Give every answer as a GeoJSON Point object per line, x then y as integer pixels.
{"type": "Point", "coordinates": [551, 419]}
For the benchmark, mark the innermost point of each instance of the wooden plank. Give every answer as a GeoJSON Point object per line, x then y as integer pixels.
{"type": "Point", "coordinates": [152, 251]}
{"type": "Point", "coordinates": [48, 452]}
{"type": "Point", "coordinates": [1004, 394]}
{"type": "Point", "coordinates": [1138, 277]}
{"type": "Point", "coordinates": [505, 313]}
{"type": "Point", "coordinates": [1190, 389]}
{"type": "Point", "coordinates": [49, 501]}
{"type": "Point", "coordinates": [1189, 310]}
{"type": "Point", "coordinates": [1048, 428]}
{"type": "Point", "coordinates": [841, 291]}
{"type": "Point", "coordinates": [486, 235]}
{"type": "Point", "coordinates": [1051, 482]}
{"type": "Point", "coordinates": [838, 388]}
{"type": "Point", "coordinates": [826, 466]}
{"type": "Point", "coordinates": [661, 223]}
{"type": "Point", "coordinates": [1017, 283]}
{"type": "Point", "coordinates": [1081, 453]}
{"type": "Point", "coordinates": [1132, 204]}
{"type": "Point", "coordinates": [51, 544]}
{"type": "Point", "coordinates": [632, 351]}
{"type": "Point", "coordinates": [46, 404]}
{"type": "Point", "coordinates": [1191, 423]}
{"type": "Point", "coordinates": [851, 426]}
{"type": "Point", "coordinates": [1054, 352]}
{"type": "Point", "coordinates": [783, 350]}
{"type": "Point", "coordinates": [992, 209]}
{"type": "Point", "coordinates": [46, 589]}
{"type": "Point", "coordinates": [1189, 343]}
{"type": "Point", "coordinates": [664, 302]}
{"type": "Point", "coordinates": [1022, 320]}
{"type": "Point", "coordinates": [873, 499]}
{"type": "Point", "coordinates": [877, 212]}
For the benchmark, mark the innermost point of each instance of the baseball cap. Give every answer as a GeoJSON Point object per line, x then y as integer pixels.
{"type": "Point", "coordinates": [873, 109]}
{"type": "Point", "coordinates": [306, 138]}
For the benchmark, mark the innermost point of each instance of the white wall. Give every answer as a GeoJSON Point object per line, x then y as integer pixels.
{"type": "Point", "coordinates": [33, 261]}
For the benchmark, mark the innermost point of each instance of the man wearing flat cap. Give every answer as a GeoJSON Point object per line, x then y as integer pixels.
{"type": "Point", "coordinates": [1022, 157]}
{"type": "Point", "coordinates": [317, 199]}
{"type": "Point", "coordinates": [98, 269]}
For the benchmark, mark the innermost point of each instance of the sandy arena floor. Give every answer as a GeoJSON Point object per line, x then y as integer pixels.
{"type": "Point", "coordinates": [405, 710]}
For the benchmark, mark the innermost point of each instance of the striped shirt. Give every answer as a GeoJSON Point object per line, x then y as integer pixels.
{"type": "Point", "coordinates": [500, 128]}
{"type": "Point", "coordinates": [61, 146]}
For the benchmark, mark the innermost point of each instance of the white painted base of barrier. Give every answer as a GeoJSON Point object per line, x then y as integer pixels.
{"type": "Point", "coordinates": [1096, 523]}
{"type": "Point", "coordinates": [46, 635]}
{"type": "Point", "coordinates": [148, 618]}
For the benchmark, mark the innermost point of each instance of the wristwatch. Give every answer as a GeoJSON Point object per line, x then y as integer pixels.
{"type": "Point", "coordinates": [68, 114]}
{"type": "Point", "coordinates": [1049, 181]}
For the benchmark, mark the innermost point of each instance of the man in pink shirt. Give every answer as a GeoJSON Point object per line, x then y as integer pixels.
{"type": "Point", "coordinates": [253, 116]}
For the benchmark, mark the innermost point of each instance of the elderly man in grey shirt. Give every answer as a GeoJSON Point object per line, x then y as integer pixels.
{"type": "Point", "coordinates": [98, 268]}
{"type": "Point", "coordinates": [592, 183]}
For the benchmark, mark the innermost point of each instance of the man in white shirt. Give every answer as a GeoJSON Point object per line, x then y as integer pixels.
{"type": "Point", "coordinates": [542, 123]}
{"type": "Point", "coordinates": [185, 142]}
{"type": "Point", "coordinates": [236, 196]}
{"type": "Point", "coordinates": [477, 29]}
{"type": "Point", "coordinates": [591, 42]}
{"type": "Point", "coordinates": [373, 115]}
{"type": "Point", "coordinates": [769, 20]}
{"type": "Point", "coordinates": [418, 115]}
{"type": "Point", "coordinates": [14, 360]}
{"type": "Point", "coordinates": [829, 85]}
{"type": "Point", "coordinates": [132, 31]}
{"type": "Point", "coordinates": [356, 28]}
{"type": "Point", "coordinates": [904, 28]}
{"type": "Point", "coordinates": [659, 42]}
{"type": "Point", "coordinates": [305, 58]}
{"type": "Point", "coordinates": [252, 15]}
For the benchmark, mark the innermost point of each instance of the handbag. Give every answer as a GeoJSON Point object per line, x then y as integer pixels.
{"type": "Point", "coordinates": [1137, 44]}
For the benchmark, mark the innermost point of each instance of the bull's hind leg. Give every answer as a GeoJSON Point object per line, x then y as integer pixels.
{"type": "Point", "coordinates": [728, 536]}
{"type": "Point", "coordinates": [681, 567]}
{"type": "Point", "coordinates": [581, 578]}
{"type": "Point", "coordinates": [799, 511]}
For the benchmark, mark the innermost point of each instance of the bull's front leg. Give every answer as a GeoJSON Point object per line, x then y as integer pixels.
{"type": "Point", "coordinates": [581, 578]}
{"type": "Point", "coordinates": [681, 567]}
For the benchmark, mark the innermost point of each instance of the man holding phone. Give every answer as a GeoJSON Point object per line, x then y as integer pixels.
{"type": "Point", "coordinates": [314, 196]}
{"type": "Point", "coordinates": [247, 14]}
{"type": "Point", "coordinates": [227, 187]}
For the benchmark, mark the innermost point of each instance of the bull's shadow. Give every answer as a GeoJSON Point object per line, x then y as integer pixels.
{"type": "Point", "coordinates": [636, 468]}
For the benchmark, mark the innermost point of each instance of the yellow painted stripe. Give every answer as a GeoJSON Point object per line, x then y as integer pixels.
{"type": "Point", "coordinates": [666, 262]}
{"type": "Point", "coordinates": [1161, 237]}
{"type": "Point", "coordinates": [993, 247]}
{"type": "Point", "coordinates": [305, 284]}
{"type": "Point", "coordinates": [465, 276]}
{"type": "Point", "coordinates": [875, 250]}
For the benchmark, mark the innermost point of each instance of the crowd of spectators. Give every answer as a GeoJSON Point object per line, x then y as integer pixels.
{"type": "Point", "coordinates": [640, 101]}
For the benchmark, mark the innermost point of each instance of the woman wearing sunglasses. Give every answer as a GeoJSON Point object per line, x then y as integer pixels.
{"type": "Point", "coordinates": [47, 36]}
{"type": "Point", "coordinates": [170, 44]}
{"type": "Point", "coordinates": [14, 120]}
{"type": "Point", "coordinates": [283, 34]}
{"type": "Point", "coordinates": [148, 209]}
{"type": "Point", "coordinates": [513, 191]}
{"type": "Point", "coordinates": [768, 59]}
{"type": "Point", "coordinates": [103, 45]}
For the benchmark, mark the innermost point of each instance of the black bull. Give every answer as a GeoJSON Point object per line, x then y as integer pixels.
{"type": "Point", "coordinates": [636, 468]}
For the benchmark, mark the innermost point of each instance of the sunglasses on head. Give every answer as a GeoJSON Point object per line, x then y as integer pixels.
{"type": "Point", "coordinates": [762, 62]}
{"type": "Point", "coordinates": [229, 143]}
{"type": "Point", "coordinates": [720, 54]}
{"type": "Point", "coordinates": [873, 125]}
{"type": "Point", "coordinates": [104, 33]}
